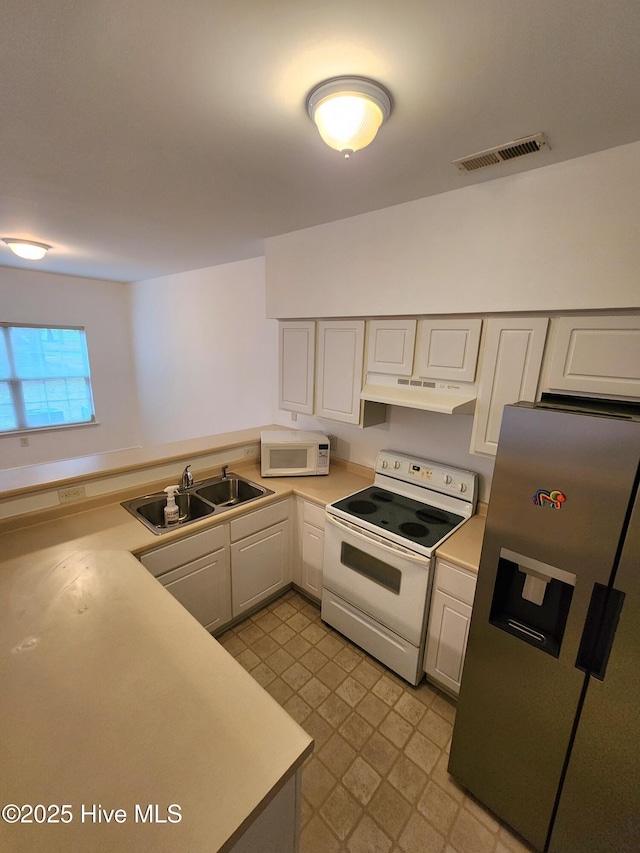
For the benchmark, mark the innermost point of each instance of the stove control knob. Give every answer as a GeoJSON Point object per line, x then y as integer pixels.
{"type": "Point", "coordinates": [446, 478]}
{"type": "Point", "coordinates": [384, 463]}
{"type": "Point", "coordinates": [396, 464]}
{"type": "Point", "coordinates": [462, 487]}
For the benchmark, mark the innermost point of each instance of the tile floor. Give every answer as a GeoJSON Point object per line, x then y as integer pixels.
{"type": "Point", "coordinates": [377, 780]}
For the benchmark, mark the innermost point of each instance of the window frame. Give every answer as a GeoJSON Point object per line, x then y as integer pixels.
{"type": "Point", "coordinates": [15, 383]}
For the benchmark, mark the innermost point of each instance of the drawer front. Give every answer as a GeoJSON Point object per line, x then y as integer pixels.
{"type": "Point", "coordinates": [313, 514]}
{"type": "Point", "coordinates": [189, 568]}
{"type": "Point", "coordinates": [455, 582]}
{"type": "Point", "coordinates": [260, 519]}
{"type": "Point", "coordinates": [185, 551]}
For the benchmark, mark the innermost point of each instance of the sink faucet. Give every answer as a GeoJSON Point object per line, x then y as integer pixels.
{"type": "Point", "coordinates": [224, 472]}
{"type": "Point", "coordinates": [186, 481]}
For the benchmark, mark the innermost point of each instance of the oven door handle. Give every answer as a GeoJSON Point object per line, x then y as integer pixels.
{"type": "Point", "coordinates": [378, 541]}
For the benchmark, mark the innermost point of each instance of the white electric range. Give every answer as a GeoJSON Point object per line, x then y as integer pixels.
{"type": "Point", "coordinates": [379, 544]}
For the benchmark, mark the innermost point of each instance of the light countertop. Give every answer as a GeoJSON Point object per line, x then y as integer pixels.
{"type": "Point", "coordinates": [113, 695]}
{"type": "Point", "coordinates": [464, 546]}
{"type": "Point", "coordinates": [110, 526]}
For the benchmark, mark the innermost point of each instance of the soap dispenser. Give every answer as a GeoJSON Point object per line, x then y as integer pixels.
{"type": "Point", "coordinates": [171, 511]}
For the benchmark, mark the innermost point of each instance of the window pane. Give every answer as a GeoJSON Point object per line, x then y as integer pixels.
{"type": "Point", "coordinates": [7, 413]}
{"type": "Point", "coordinates": [49, 352]}
{"type": "Point", "coordinates": [57, 401]}
{"type": "Point", "coordinates": [4, 358]}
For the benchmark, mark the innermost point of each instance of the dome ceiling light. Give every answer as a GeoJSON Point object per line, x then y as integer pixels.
{"type": "Point", "coordinates": [27, 249]}
{"type": "Point", "coordinates": [349, 111]}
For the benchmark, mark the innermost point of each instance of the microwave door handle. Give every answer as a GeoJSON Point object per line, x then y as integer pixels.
{"type": "Point", "coordinates": [395, 550]}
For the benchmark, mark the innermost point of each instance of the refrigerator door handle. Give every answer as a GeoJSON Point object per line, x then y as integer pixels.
{"type": "Point", "coordinates": [599, 630]}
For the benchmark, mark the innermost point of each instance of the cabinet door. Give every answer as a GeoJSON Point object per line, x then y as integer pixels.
{"type": "Point", "coordinates": [203, 587]}
{"type": "Point", "coordinates": [596, 355]}
{"type": "Point", "coordinates": [339, 373]}
{"type": "Point", "coordinates": [297, 366]}
{"type": "Point", "coordinates": [390, 346]}
{"type": "Point", "coordinates": [510, 372]}
{"type": "Point", "coordinates": [448, 349]}
{"type": "Point", "coordinates": [447, 640]}
{"type": "Point", "coordinates": [312, 556]}
{"type": "Point", "coordinates": [259, 567]}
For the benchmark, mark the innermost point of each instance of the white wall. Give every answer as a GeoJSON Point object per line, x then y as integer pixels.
{"type": "Point", "coordinates": [206, 356]}
{"type": "Point", "coordinates": [561, 237]}
{"type": "Point", "coordinates": [102, 307]}
{"type": "Point", "coordinates": [442, 438]}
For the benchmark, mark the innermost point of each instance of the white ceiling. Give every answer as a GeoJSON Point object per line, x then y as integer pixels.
{"type": "Point", "coordinates": [145, 137]}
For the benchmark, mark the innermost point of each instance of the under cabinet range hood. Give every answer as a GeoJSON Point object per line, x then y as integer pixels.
{"type": "Point", "coordinates": [430, 395]}
{"type": "Point", "coordinates": [427, 364]}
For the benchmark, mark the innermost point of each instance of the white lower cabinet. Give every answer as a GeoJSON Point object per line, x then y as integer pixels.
{"type": "Point", "coordinates": [310, 550]}
{"type": "Point", "coordinates": [203, 588]}
{"type": "Point", "coordinates": [448, 628]}
{"type": "Point", "coordinates": [217, 582]}
{"type": "Point", "coordinates": [195, 571]}
{"type": "Point", "coordinates": [260, 556]}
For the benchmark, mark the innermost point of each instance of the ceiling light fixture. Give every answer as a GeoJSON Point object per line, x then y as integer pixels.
{"type": "Point", "coordinates": [27, 249]}
{"type": "Point", "coordinates": [349, 111]}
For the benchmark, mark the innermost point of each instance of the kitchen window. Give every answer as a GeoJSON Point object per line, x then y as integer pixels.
{"type": "Point", "coordinates": [45, 380]}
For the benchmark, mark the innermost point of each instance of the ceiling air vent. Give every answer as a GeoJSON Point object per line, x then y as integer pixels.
{"type": "Point", "coordinates": [517, 148]}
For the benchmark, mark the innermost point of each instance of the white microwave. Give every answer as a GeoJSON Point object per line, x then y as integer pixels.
{"type": "Point", "coordinates": [293, 453]}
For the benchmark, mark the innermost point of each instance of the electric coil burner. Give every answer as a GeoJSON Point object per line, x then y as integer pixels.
{"type": "Point", "coordinates": [378, 548]}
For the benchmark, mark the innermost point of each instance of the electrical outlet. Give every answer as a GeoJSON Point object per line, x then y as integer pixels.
{"type": "Point", "coordinates": [73, 493]}
{"type": "Point", "coordinates": [24, 441]}
{"type": "Point", "coordinates": [333, 442]}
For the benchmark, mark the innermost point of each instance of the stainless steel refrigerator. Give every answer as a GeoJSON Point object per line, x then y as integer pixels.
{"type": "Point", "coordinates": [547, 731]}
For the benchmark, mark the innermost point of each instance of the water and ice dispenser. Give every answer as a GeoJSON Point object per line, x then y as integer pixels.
{"type": "Point", "coordinates": [531, 600]}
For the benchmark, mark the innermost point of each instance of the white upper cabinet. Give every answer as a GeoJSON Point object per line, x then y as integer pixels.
{"type": "Point", "coordinates": [339, 373]}
{"type": "Point", "coordinates": [596, 355]}
{"type": "Point", "coordinates": [297, 366]}
{"type": "Point", "coordinates": [326, 384]}
{"type": "Point", "coordinates": [390, 346]}
{"type": "Point", "coordinates": [510, 372]}
{"type": "Point", "coordinates": [448, 349]}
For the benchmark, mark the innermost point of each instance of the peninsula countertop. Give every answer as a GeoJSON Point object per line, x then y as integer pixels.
{"type": "Point", "coordinates": [114, 697]}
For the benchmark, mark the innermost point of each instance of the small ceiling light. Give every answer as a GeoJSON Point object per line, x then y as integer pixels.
{"type": "Point", "coordinates": [27, 249]}
{"type": "Point", "coordinates": [348, 111]}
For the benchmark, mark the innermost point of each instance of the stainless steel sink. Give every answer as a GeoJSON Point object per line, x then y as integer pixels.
{"type": "Point", "coordinates": [205, 498]}
{"type": "Point", "coordinates": [149, 509]}
{"type": "Point", "coordinates": [230, 492]}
